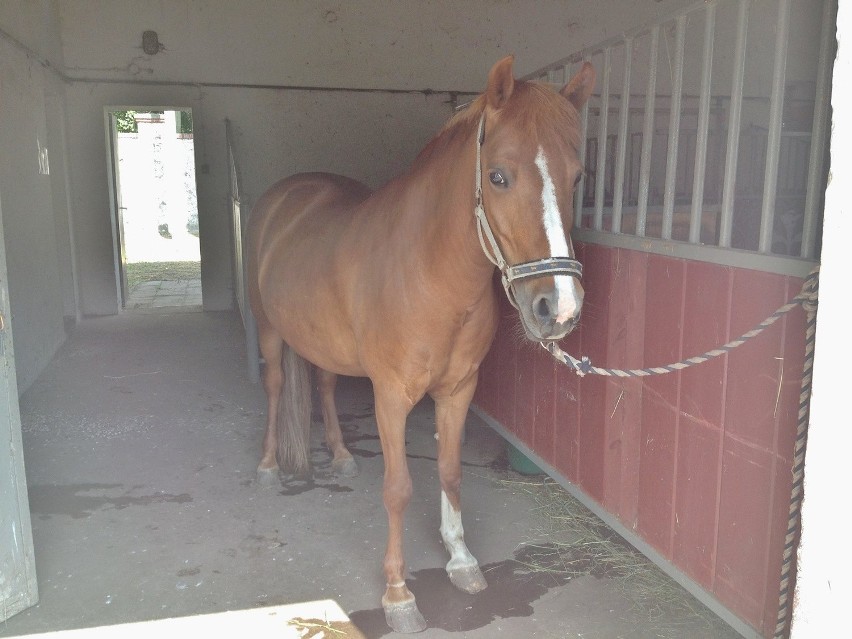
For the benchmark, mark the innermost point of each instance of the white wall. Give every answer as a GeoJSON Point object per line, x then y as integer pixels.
{"type": "Point", "coordinates": [217, 54]}
{"type": "Point", "coordinates": [157, 183]}
{"type": "Point", "coordinates": [35, 213]}
{"type": "Point", "coordinates": [824, 580]}
{"type": "Point", "coordinates": [398, 44]}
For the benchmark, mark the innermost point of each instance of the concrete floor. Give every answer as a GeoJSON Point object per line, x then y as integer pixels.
{"type": "Point", "coordinates": [159, 294]}
{"type": "Point", "coordinates": [141, 441]}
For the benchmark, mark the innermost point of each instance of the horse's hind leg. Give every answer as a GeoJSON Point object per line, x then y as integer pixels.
{"type": "Point", "coordinates": [342, 463]}
{"type": "Point", "coordinates": [450, 414]}
{"type": "Point", "coordinates": [271, 347]}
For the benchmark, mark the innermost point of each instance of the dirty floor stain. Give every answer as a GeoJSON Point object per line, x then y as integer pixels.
{"type": "Point", "coordinates": [81, 500]}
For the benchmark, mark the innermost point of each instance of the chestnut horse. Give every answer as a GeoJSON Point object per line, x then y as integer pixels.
{"type": "Point", "coordinates": [396, 285]}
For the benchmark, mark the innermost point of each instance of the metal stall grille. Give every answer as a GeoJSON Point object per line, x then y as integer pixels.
{"type": "Point", "coordinates": [698, 143]}
{"type": "Point", "coordinates": [239, 215]}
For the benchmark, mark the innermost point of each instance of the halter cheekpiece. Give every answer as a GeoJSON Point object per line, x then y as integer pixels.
{"type": "Point", "coordinates": [536, 268]}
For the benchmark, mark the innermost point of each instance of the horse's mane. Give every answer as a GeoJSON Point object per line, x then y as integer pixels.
{"type": "Point", "coordinates": [534, 107]}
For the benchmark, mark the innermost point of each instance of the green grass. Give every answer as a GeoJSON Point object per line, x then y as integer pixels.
{"type": "Point", "coordinates": [139, 272]}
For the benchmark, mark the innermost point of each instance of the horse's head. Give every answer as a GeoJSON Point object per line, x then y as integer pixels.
{"type": "Point", "coordinates": [529, 167]}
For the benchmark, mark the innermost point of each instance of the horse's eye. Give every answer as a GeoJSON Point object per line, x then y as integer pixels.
{"type": "Point", "coordinates": [497, 178]}
{"type": "Point", "coordinates": [578, 178]}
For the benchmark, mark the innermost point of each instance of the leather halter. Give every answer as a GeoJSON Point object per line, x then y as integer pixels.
{"type": "Point", "coordinates": [536, 268]}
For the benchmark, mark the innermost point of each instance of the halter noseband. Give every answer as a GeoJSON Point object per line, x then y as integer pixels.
{"type": "Point", "coordinates": [536, 268]}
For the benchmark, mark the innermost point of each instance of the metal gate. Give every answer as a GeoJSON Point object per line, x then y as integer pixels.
{"type": "Point", "coordinates": [239, 216]}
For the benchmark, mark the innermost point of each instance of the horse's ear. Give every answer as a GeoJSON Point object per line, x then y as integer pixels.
{"type": "Point", "coordinates": [579, 88]}
{"type": "Point", "coordinates": [501, 82]}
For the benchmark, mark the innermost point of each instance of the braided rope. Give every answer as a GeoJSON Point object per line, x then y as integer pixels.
{"type": "Point", "coordinates": [794, 523]}
{"type": "Point", "coordinates": [808, 298]}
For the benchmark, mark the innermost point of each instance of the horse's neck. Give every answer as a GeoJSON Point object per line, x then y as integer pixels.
{"type": "Point", "coordinates": [449, 246]}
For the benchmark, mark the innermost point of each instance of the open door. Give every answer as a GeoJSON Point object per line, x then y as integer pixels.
{"type": "Point", "coordinates": [18, 588]}
{"type": "Point", "coordinates": [117, 205]}
{"type": "Point", "coordinates": [155, 209]}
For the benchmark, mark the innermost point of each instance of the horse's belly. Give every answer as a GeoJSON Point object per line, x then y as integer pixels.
{"type": "Point", "coordinates": [307, 313]}
{"type": "Point", "coordinates": [301, 281]}
{"type": "Point", "coordinates": [325, 347]}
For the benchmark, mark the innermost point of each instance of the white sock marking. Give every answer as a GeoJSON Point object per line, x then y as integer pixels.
{"type": "Point", "coordinates": [567, 295]}
{"type": "Point", "coordinates": [452, 532]}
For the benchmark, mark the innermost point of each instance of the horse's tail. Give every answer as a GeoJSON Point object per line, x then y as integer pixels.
{"type": "Point", "coordinates": [294, 415]}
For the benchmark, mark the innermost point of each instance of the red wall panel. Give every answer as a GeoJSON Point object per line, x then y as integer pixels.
{"type": "Point", "coordinates": [744, 522]}
{"type": "Point", "coordinates": [697, 462]}
{"type": "Point", "coordinates": [544, 402]}
{"type": "Point", "coordinates": [755, 367]}
{"type": "Point", "coordinates": [568, 399]}
{"type": "Point", "coordinates": [696, 491]}
{"type": "Point", "coordinates": [664, 287]}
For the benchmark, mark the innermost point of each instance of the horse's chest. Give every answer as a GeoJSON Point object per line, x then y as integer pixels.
{"type": "Point", "coordinates": [464, 345]}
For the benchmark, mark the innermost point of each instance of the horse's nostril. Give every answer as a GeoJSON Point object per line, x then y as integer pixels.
{"type": "Point", "coordinates": [542, 308]}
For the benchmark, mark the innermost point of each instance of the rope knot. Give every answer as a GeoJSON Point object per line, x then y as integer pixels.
{"type": "Point", "coordinates": [809, 296]}
{"type": "Point", "coordinates": [584, 366]}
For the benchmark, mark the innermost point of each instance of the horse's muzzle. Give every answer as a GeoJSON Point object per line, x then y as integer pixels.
{"type": "Point", "coordinates": [550, 312]}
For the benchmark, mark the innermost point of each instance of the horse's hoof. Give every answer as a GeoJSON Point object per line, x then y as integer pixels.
{"type": "Point", "coordinates": [345, 467]}
{"type": "Point", "coordinates": [468, 578]}
{"type": "Point", "coordinates": [267, 477]}
{"type": "Point", "coordinates": [404, 617]}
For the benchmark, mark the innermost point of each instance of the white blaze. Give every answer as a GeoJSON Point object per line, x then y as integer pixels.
{"type": "Point", "coordinates": [568, 298]}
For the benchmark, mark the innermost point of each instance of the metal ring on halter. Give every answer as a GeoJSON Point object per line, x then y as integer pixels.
{"type": "Point", "coordinates": [537, 268]}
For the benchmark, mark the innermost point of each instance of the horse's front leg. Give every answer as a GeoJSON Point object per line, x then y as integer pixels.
{"type": "Point", "coordinates": [450, 415]}
{"type": "Point", "coordinates": [400, 608]}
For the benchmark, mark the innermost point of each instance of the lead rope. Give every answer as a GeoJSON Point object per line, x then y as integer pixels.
{"type": "Point", "coordinates": [583, 366]}
{"type": "Point", "coordinates": [808, 299]}
{"type": "Point", "coordinates": [794, 522]}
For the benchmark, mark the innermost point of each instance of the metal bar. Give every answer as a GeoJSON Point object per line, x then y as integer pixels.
{"type": "Point", "coordinates": [578, 192]}
{"type": "Point", "coordinates": [556, 75]}
{"type": "Point", "coordinates": [674, 129]}
{"type": "Point", "coordinates": [603, 125]}
{"type": "Point", "coordinates": [773, 142]}
{"type": "Point", "coordinates": [647, 134]}
{"type": "Point", "coordinates": [816, 162]}
{"type": "Point", "coordinates": [238, 254]}
{"type": "Point", "coordinates": [623, 125]}
{"type": "Point", "coordinates": [249, 321]}
{"type": "Point", "coordinates": [781, 264]}
{"type": "Point", "coordinates": [585, 54]}
{"type": "Point", "coordinates": [703, 127]}
{"type": "Point", "coordinates": [734, 118]}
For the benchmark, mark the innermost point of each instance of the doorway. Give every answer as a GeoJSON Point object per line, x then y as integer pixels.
{"type": "Point", "coordinates": [156, 211]}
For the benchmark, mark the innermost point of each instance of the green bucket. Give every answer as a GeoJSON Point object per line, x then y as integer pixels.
{"type": "Point", "coordinates": [521, 463]}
